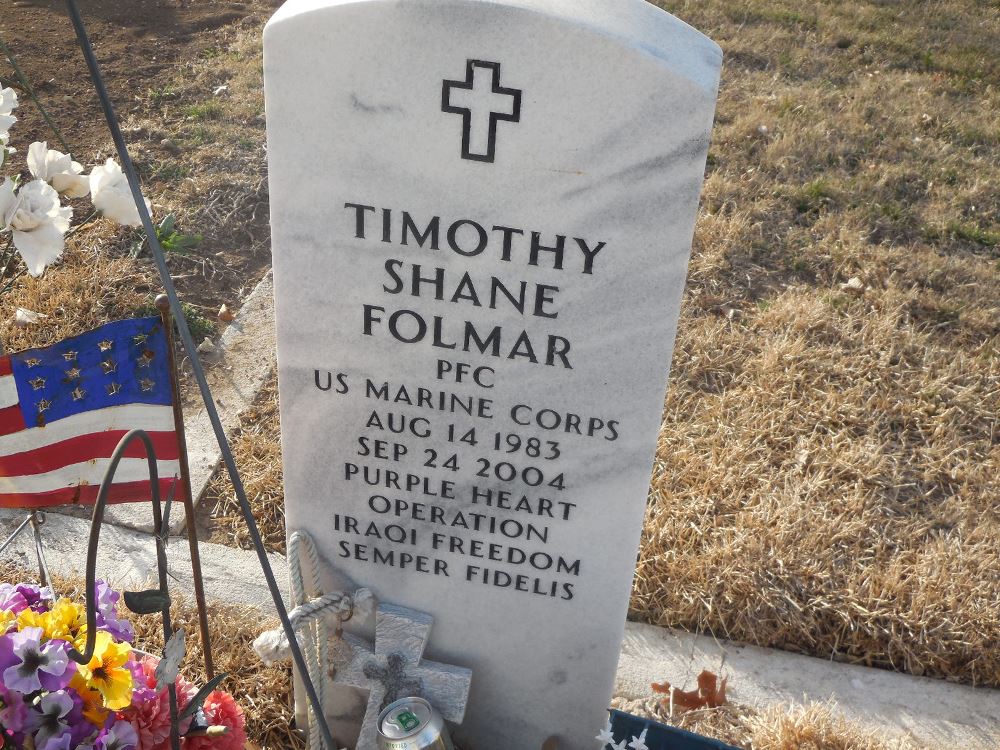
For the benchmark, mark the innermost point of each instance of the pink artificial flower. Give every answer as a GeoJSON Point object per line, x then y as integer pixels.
{"type": "Point", "coordinates": [149, 713]}
{"type": "Point", "coordinates": [221, 710]}
{"type": "Point", "coordinates": [13, 711]}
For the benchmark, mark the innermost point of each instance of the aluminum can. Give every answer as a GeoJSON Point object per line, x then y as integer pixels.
{"type": "Point", "coordinates": [412, 724]}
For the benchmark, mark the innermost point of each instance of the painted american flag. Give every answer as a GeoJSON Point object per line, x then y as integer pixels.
{"type": "Point", "coordinates": [65, 407]}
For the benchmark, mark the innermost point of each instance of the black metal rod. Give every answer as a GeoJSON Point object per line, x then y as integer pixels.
{"type": "Point", "coordinates": [96, 520]}
{"type": "Point", "coordinates": [163, 305]}
{"type": "Point", "coordinates": [198, 371]}
{"type": "Point", "coordinates": [16, 533]}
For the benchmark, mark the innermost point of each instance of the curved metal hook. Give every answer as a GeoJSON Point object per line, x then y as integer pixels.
{"type": "Point", "coordinates": [95, 534]}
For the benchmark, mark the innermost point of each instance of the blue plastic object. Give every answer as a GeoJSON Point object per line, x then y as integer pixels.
{"type": "Point", "coordinates": [659, 736]}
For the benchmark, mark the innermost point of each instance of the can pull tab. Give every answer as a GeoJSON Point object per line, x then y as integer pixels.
{"type": "Point", "coordinates": [405, 720]}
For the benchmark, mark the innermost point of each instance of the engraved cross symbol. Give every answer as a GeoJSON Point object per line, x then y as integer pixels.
{"type": "Point", "coordinates": [482, 102]}
{"type": "Point", "coordinates": [396, 669]}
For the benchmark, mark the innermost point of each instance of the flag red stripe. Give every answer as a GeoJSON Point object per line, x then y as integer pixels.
{"type": "Point", "coordinates": [84, 448]}
{"type": "Point", "coordinates": [126, 492]}
{"type": "Point", "coordinates": [5, 368]}
{"type": "Point", "coordinates": [11, 420]}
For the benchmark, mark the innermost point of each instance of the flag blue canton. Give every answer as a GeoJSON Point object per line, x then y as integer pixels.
{"type": "Point", "coordinates": [120, 363]}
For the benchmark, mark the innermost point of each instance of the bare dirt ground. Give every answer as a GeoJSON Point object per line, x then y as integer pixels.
{"type": "Point", "coordinates": [185, 78]}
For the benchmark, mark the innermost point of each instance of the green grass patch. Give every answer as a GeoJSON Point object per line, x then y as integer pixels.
{"type": "Point", "coordinates": [200, 136]}
{"type": "Point", "coordinates": [204, 111]}
{"type": "Point", "coordinates": [200, 326]}
{"type": "Point", "coordinates": [169, 171]}
{"type": "Point", "coordinates": [973, 233]}
{"type": "Point", "coordinates": [813, 196]}
{"type": "Point", "coordinates": [161, 95]}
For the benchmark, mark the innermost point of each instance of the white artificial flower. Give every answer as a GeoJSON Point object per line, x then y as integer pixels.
{"type": "Point", "coordinates": [58, 169]}
{"type": "Point", "coordinates": [8, 103]}
{"type": "Point", "coordinates": [111, 195]}
{"type": "Point", "coordinates": [36, 220]}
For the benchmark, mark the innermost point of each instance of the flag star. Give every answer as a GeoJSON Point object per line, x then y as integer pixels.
{"type": "Point", "coordinates": [146, 359]}
{"type": "Point", "coordinates": [79, 394]}
{"type": "Point", "coordinates": [109, 366]}
{"type": "Point", "coordinates": [113, 388]}
{"type": "Point", "coordinates": [43, 405]}
{"type": "Point", "coordinates": [32, 362]}
{"type": "Point", "coordinates": [620, 746]}
{"type": "Point", "coordinates": [73, 373]}
{"type": "Point", "coordinates": [37, 383]}
{"type": "Point", "coordinates": [639, 743]}
{"type": "Point", "coordinates": [140, 339]}
{"type": "Point", "coordinates": [69, 356]}
{"type": "Point", "coordinates": [605, 737]}
{"type": "Point", "coordinates": [146, 384]}
{"type": "Point", "coordinates": [104, 345]}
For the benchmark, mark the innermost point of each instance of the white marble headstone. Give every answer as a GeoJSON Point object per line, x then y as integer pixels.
{"type": "Point", "coordinates": [482, 214]}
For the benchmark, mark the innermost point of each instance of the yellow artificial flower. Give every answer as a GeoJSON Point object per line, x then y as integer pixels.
{"type": "Point", "coordinates": [65, 620]}
{"type": "Point", "coordinates": [93, 704]}
{"type": "Point", "coordinates": [107, 672]}
{"type": "Point", "coordinates": [28, 618]}
{"type": "Point", "coordinates": [6, 619]}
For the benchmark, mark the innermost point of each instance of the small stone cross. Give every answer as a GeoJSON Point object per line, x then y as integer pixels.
{"type": "Point", "coordinates": [395, 669]}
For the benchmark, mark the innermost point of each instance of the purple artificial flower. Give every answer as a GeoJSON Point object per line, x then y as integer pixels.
{"type": "Point", "coordinates": [141, 692]}
{"type": "Point", "coordinates": [39, 598]}
{"type": "Point", "coordinates": [31, 666]}
{"type": "Point", "coordinates": [7, 658]}
{"type": "Point", "coordinates": [63, 742]}
{"type": "Point", "coordinates": [11, 599]}
{"type": "Point", "coordinates": [17, 598]}
{"type": "Point", "coordinates": [49, 721]}
{"type": "Point", "coordinates": [119, 736]}
{"type": "Point", "coordinates": [79, 727]}
{"type": "Point", "coordinates": [13, 711]}
{"type": "Point", "coordinates": [107, 613]}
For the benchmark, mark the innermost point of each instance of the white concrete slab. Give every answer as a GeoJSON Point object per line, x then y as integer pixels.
{"type": "Point", "coordinates": [126, 558]}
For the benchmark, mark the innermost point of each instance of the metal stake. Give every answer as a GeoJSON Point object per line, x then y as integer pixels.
{"type": "Point", "coordinates": [36, 518]}
{"type": "Point", "coordinates": [163, 305]}
{"type": "Point", "coordinates": [197, 370]}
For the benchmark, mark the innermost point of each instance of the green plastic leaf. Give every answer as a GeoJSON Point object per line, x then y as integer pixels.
{"type": "Point", "coordinates": [147, 602]}
{"type": "Point", "coordinates": [201, 695]}
{"type": "Point", "coordinates": [167, 225]}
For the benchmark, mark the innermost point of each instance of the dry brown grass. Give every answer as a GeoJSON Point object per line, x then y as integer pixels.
{"type": "Point", "coordinates": [201, 139]}
{"type": "Point", "coordinates": [827, 472]}
{"type": "Point", "coordinates": [257, 451]}
{"type": "Point", "coordinates": [94, 286]}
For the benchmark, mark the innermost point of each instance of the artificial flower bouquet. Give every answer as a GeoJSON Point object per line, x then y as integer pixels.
{"type": "Point", "coordinates": [116, 701]}
{"type": "Point", "coordinates": [33, 220]}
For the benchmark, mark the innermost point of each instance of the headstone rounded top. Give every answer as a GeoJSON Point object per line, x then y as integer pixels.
{"type": "Point", "coordinates": [645, 26]}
